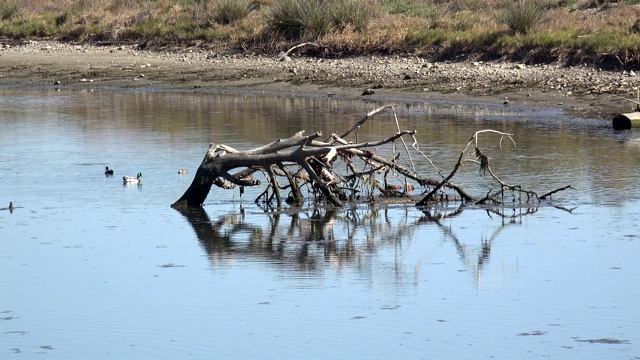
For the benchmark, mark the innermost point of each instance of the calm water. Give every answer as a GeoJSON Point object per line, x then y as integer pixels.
{"type": "Point", "coordinates": [92, 269]}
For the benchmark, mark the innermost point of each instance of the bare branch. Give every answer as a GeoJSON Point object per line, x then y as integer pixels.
{"type": "Point", "coordinates": [543, 197]}
{"type": "Point", "coordinates": [297, 46]}
{"type": "Point", "coordinates": [365, 119]}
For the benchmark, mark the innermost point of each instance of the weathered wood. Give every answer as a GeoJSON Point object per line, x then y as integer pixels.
{"type": "Point", "coordinates": [200, 186]}
{"type": "Point", "coordinates": [328, 170]}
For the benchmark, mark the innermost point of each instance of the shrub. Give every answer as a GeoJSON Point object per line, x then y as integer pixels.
{"type": "Point", "coordinates": [230, 11]}
{"type": "Point", "coordinates": [521, 15]}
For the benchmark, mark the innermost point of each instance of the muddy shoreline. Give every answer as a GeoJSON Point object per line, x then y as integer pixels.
{"type": "Point", "coordinates": [583, 92]}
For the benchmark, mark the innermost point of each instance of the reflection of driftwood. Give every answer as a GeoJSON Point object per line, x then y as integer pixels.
{"type": "Point", "coordinates": [296, 239]}
{"type": "Point", "coordinates": [477, 260]}
{"type": "Point", "coordinates": [307, 163]}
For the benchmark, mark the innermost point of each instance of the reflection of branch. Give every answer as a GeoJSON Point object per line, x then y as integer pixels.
{"type": "Point", "coordinates": [528, 211]}
{"type": "Point", "coordinates": [570, 211]}
{"type": "Point", "coordinates": [435, 215]}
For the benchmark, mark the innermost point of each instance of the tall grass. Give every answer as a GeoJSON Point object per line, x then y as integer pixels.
{"type": "Point", "coordinates": [521, 15]}
{"type": "Point", "coordinates": [230, 11]}
{"type": "Point", "coordinates": [314, 18]}
{"type": "Point", "coordinates": [354, 13]}
{"type": "Point", "coordinates": [295, 18]}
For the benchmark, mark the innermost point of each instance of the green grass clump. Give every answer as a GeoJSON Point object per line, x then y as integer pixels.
{"type": "Point", "coordinates": [314, 18]}
{"type": "Point", "coordinates": [355, 13]}
{"type": "Point", "coordinates": [295, 18]}
{"type": "Point", "coordinates": [230, 11]}
{"type": "Point", "coordinates": [521, 15]}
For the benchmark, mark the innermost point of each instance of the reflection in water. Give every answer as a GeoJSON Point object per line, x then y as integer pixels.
{"type": "Point", "coordinates": [474, 258]}
{"type": "Point", "coordinates": [297, 239]}
{"type": "Point", "coordinates": [300, 240]}
{"type": "Point", "coordinates": [82, 260]}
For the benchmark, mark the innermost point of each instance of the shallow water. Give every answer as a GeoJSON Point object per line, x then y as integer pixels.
{"type": "Point", "coordinates": [94, 269]}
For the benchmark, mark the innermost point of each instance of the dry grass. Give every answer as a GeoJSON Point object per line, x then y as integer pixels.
{"type": "Point", "coordinates": [588, 30]}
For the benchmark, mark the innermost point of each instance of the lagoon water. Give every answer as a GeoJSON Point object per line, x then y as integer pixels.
{"type": "Point", "coordinates": [91, 268]}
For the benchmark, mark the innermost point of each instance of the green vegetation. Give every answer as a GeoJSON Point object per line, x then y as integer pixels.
{"type": "Point", "coordinates": [574, 31]}
{"type": "Point", "coordinates": [521, 15]}
{"type": "Point", "coordinates": [314, 18]}
{"type": "Point", "coordinates": [230, 11]}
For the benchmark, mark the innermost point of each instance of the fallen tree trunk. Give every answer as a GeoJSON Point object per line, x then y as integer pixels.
{"type": "Point", "coordinates": [305, 162]}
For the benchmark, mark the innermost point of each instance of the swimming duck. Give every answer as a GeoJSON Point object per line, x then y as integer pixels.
{"type": "Point", "coordinates": [132, 180]}
{"type": "Point", "coordinates": [108, 171]}
{"type": "Point", "coordinates": [183, 171]}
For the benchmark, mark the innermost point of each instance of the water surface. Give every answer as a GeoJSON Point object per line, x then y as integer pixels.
{"type": "Point", "coordinates": [94, 269]}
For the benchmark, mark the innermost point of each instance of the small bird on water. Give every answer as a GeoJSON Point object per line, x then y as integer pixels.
{"type": "Point", "coordinates": [183, 171]}
{"type": "Point", "coordinates": [10, 208]}
{"type": "Point", "coordinates": [108, 171]}
{"type": "Point", "coordinates": [133, 180]}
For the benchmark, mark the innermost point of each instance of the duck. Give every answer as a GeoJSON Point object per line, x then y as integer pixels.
{"type": "Point", "coordinates": [10, 208]}
{"type": "Point", "coordinates": [183, 171]}
{"type": "Point", "coordinates": [133, 180]}
{"type": "Point", "coordinates": [108, 171]}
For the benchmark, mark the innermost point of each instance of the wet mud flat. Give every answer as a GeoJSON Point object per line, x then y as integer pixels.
{"type": "Point", "coordinates": [578, 91]}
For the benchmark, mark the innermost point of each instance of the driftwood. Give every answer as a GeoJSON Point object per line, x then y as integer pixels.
{"type": "Point", "coordinates": [307, 165]}
{"type": "Point", "coordinates": [285, 56]}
